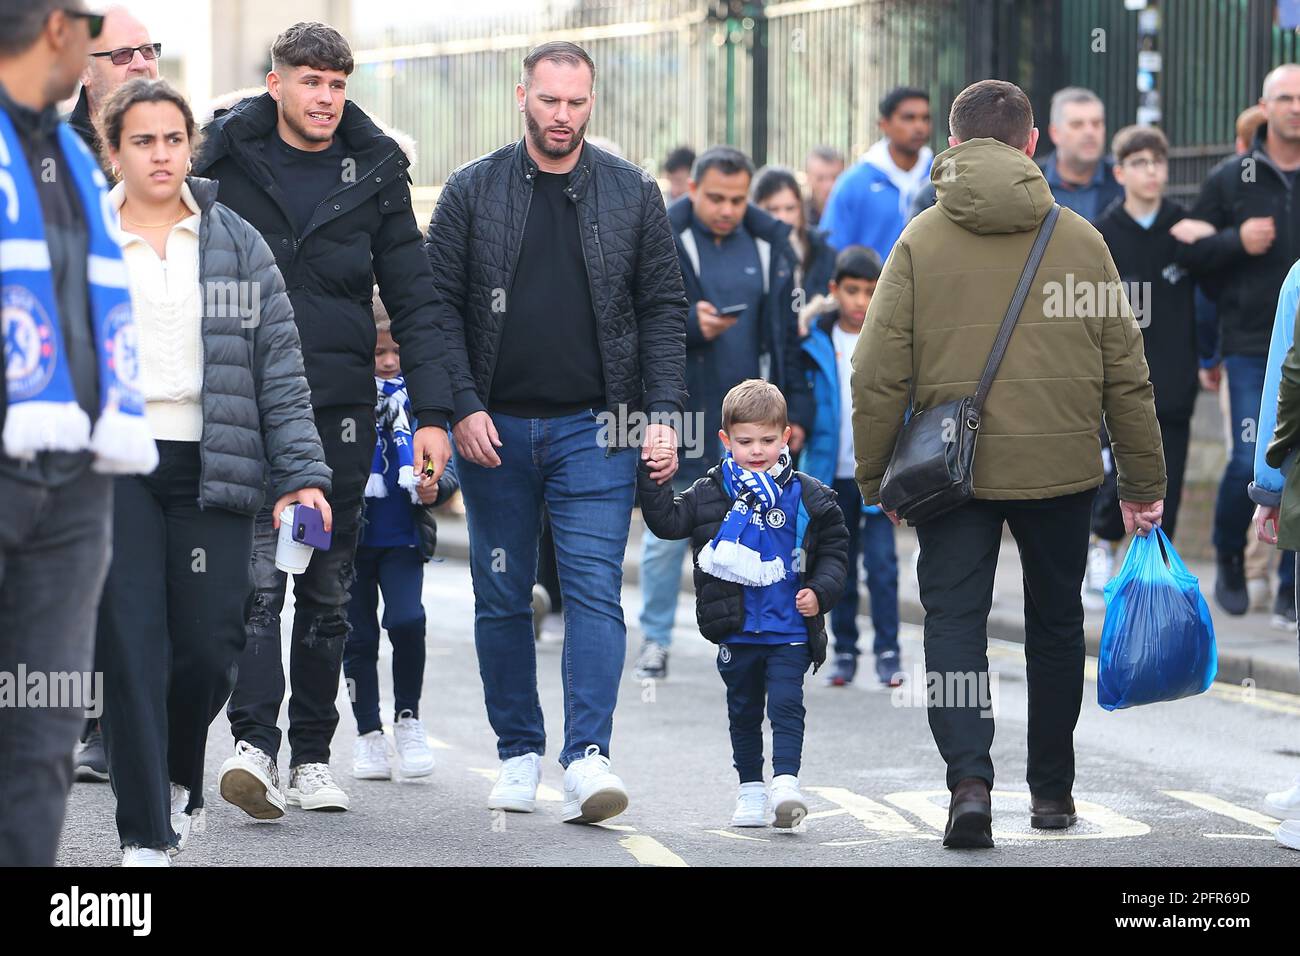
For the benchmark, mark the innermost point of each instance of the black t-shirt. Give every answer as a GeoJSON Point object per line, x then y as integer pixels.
{"type": "Point", "coordinates": [305, 178]}
{"type": "Point", "coordinates": [548, 363]}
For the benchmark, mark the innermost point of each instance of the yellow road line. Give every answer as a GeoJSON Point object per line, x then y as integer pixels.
{"type": "Point", "coordinates": [823, 814]}
{"type": "Point", "coordinates": [1207, 801]}
{"type": "Point", "coordinates": [876, 817]}
{"type": "Point", "coordinates": [738, 836]}
{"type": "Point", "coordinates": [650, 852]}
{"type": "Point", "coordinates": [1109, 824]}
{"type": "Point", "coordinates": [1237, 836]}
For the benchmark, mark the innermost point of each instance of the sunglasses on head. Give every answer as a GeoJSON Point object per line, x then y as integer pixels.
{"type": "Point", "coordinates": [125, 54]}
{"type": "Point", "coordinates": [94, 21]}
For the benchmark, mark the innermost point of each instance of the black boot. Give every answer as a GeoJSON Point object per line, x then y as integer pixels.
{"type": "Point", "coordinates": [970, 816]}
{"type": "Point", "coordinates": [1230, 583]}
{"type": "Point", "coordinates": [1051, 814]}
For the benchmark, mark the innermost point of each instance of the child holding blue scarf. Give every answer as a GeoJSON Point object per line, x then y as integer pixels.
{"type": "Point", "coordinates": [398, 536]}
{"type": "Point", "coordinates": [771, 556]}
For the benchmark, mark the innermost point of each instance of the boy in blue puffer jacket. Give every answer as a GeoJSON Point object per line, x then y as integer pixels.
{"type": "Point", "coordinates": [828, 455]}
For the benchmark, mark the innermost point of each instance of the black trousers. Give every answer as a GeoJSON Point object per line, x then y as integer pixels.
{"type": "Point", "coordinates": [171, 624]}
{"type": "Point", "coordinates": [959, 554]}
{"type": "Point", "coordinates": [54, 552]}
{"type": "Point", "coordinates": [1107, 522]}
{"type": "Point", "coordinates": [320, 620]}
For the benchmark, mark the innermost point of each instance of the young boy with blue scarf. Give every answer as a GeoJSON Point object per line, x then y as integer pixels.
{"type": "Point", "coordinates": [771, 555]}
{"type": "Point", "coordinates": [399, 535]}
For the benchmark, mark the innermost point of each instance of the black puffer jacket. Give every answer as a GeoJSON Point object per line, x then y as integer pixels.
{"type": "Point", "coordinates": [362, 232]}
{"type": "Point", "coordinates": [256, 404]}
{"type": "Point", "coordinates": [473, 245]}
{"type": "Point", "coordinates": [697, 513]}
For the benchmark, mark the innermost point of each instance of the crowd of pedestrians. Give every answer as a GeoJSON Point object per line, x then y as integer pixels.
{"type": "Point", "coordinates": [221, 329]}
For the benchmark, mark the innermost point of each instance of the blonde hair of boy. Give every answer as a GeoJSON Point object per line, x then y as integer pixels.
{"type": "Point", "coordinates": [754, 402]}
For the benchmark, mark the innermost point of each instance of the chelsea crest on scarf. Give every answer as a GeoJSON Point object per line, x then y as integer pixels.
{"type": "Point", "coordinates": [744, 550]}
{"type": "Point", "coordinates": [43, 414]}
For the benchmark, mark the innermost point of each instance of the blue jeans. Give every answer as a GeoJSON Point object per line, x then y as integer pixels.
{"type": "Point", "coordinates": [588, 492]}
{"type": "Point", "coordinates": [661, 582]}
{"type": "Point", "coordinates": [771, 673]}
{"type": "Point", "coordinates": [873, 534]}
{"type": "Point", "coordinates": [1234, 510]}
{"type": "Point", "coordinates": [399, 574]}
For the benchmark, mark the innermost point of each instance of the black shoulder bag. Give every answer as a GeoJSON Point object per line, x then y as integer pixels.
{"type": "Point", "coordinates": [930, 472]}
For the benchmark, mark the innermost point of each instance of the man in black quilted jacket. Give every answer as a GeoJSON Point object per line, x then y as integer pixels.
{"type": "Point", "coordinates": [565, 321]}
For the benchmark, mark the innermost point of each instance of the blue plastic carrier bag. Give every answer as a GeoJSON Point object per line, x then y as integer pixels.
{"type": "Point", "coordinates": [1157, 642]}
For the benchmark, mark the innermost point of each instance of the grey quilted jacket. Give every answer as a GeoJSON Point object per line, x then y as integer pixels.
{"type": "Point", "coordinates": [473, 245]}
{"type": "Point", "coordinates": [256, 404]}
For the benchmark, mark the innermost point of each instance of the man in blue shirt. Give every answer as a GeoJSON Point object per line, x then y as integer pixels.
{"type": "Point", "coordinates": [738, 268]}
{"type": "Point", "coordinates": [1080, 177]}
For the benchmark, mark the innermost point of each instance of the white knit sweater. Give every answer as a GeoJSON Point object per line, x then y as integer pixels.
{"type": "Point", "coordinates": [167, 301]}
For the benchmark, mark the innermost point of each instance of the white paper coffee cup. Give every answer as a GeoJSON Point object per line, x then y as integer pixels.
{"type": "Point", "coordinates": [290, 555]}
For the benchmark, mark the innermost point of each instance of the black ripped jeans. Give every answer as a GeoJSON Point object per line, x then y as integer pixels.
{"type": "Point", "coordinates": [320, 621]}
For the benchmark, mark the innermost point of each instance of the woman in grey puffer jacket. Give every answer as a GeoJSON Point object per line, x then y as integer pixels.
{"type": "Point", "coordinates": [220, 369]}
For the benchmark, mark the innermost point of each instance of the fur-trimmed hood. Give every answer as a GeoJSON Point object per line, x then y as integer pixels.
{"type": "Point", "coordinates": [210, 110]}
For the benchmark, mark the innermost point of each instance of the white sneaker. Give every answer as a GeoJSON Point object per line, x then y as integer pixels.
{"type": "Point", "coordinates": [1285, 804]}
{"type": "Point", "coordinates": [184, 823]}
{"type": "Point", "coordinates": [370, 757]}
{"type": "Point", "coordinates": [787, 802]}
{"type": "Point", "coordinates": [1101, 564]}
{"type": "Point", "coordinates": [414, 755]}
{"type": "Point", "coordinates": [139, 856]}
{"type": "Point", "coordinates": [516, 786]}
{"type": "Point", "coordinates": [312, 787]}
{"type": "Point", "coordinates": [752, 808]}
{"type": "Point", "coordinates": [591, 790]}
{"type": "Point", "coordinates": [251, 781]}
{"type": "Point", "coordinates": [1288, 835]}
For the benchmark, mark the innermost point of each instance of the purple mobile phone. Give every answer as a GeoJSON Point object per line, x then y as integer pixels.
{"type": "Point", "coordinates": [309, 528]}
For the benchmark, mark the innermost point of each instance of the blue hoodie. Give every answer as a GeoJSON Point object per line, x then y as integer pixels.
{"type": "Point", "coordinates": [821, 449]}
{"type": "Point", "coordinates": [1266, 489]}
{"type": "Point", "coordinates": [866, 206]}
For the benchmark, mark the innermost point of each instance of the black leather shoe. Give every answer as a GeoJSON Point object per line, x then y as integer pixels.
{"type": "Point", "coordinates": [970, 816]}
{"type": "Point", "coordinates": [1052, 814]}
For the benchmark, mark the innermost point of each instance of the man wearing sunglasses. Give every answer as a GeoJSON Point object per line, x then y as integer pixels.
{"type": "Point", "coordinates": [122, 51]}
{"type": "Point", "coordinates": [54, 507]}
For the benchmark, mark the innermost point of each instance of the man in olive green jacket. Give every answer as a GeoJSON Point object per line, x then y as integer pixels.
{"type": "Point", "coordinates": [1076, 355]}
